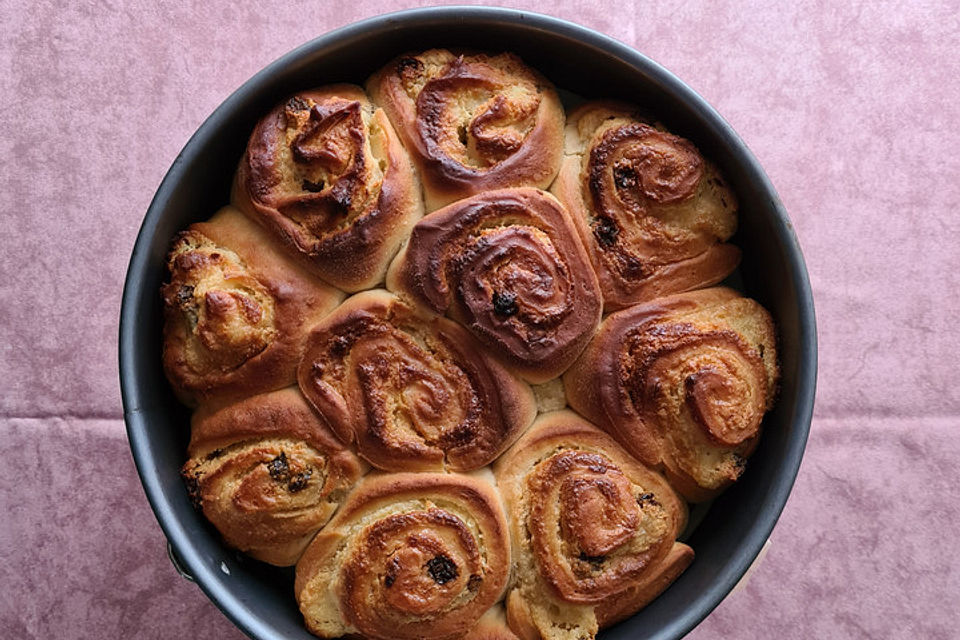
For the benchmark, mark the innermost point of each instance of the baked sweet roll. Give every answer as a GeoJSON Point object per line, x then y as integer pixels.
{"type": "Point", "coordinates": [413, 391]}
{"type": "Point", "coordinates": [237, 311]}
{"type": "Point", "coordinates": [472, 122]}
{"type": "Point", "coordinates": [653, 213]}
{"type": "Point", "coordinates": [594, 531]}
{"type": "Point", "coordinates": [683, 383]}
{"type": "Point", "coordinates": [268, 474]}
{"type": "Point", "coordinates": [325, 172]}
{"type": "Point", "coordinates": [409, 555]}
{"type": "Point", "coordinates": [508, 265]}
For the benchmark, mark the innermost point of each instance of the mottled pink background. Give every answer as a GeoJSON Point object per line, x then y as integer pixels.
{"type": "Point", "coordinates": [852, 107]}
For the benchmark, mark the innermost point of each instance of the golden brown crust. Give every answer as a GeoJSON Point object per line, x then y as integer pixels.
{"type": "Point", "coordinates": [682, 382]}
{"type": "Point", "coordinates": [472, 122]}
{"type": "Point", "coordinates": [326, 174]}
{"type": "Point", "coordinates": [413, 390]}
{"type": "Point", "coordinates": [492, 626]}
{"type": "Point", "coordinates": [625, 604]}
{"type": "Point", "coordinates": [267, 473]}
{"type": "Point", "coordinates": [592, 529]}
{"type": "Point", "coordinates": [652, 212]}
{"type": "Point", "coordinates": [508, 265]}
{"type": "Point", "coordinates": [520, 617]}
{"type": "Point", "coordinates": [236, 310]}
{"type": "Point", "coordinates": [410, 555]}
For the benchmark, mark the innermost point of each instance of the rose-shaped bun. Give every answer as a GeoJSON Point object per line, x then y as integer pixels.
{"type": "Point", "coordinates": [325, 173]}
{"type": "Point", "coordinates": [683, 383]}
{"type": "Point", "coordinates": [236, 310]}
{"type": "Point", "coordinates": [408, 556]}
{"type": "Point", "coordinates": [413, 391]}
{"type": "Point", "coordinates": [472, 122]}
{"type": "Point", "coordinates": [508, 265]}
{"type": "Point", "coordinates": [593, 530]}
{"type": "Point", "coordinates": [268, 474]}
{"type": "Point", "coordinates": [652, 212]}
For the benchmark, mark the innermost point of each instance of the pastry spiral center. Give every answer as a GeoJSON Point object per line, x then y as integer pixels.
{"type": "Point", "coordinates": [599, 511]}
{"type": "Point", "coordinates": [266, 477]}
{"type": "Point", "coordinates": [713, 376]}
{"type": "Point", "coordinates": [409, 566]}
{"type": "Point", "coordinates": [515, 279]}
{"type": "Point", "coordinates": [229, 315]}
{"type": "Point", "coordinates": [470, 114]}
{"type": "Point", "coordinates": [588, 532]}
{"type": "Point", "coordinates": [419, 579]}
{"type": "Point", "coordinates": [330, 178]}
{"type": "Point", "coordinates": [655, 165]}
{"type": "Point", "coordinates": [720, 402]}
{"type": "Point", "coordinates": [636, 175]}
{"type": "Point", "coordinates": [406, 389]}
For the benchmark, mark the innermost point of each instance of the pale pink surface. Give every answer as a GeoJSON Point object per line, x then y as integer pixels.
{"type": "Point", "coordinates": [851, 107]}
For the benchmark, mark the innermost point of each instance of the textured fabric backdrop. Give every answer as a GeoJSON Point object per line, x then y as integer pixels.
{"type": "Point", "coordinates": [852, 108]}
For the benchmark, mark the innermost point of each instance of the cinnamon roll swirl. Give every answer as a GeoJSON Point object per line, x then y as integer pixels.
{"type": "Point", "coordinates": [412, 391]}
{"type": "Point", "coordinates": [268, 474]}
{"type": "Point", "coordinates": [472, 122]}
{"type": "Point", "coordinates": [508, 265]}
{"type": "Point", "coordinates": [409, 555]}
{"type": "Point", "coordinates": [325, 172]}
{"type": "Point", "coordinates": [594, 531]}
{"type": "Point", "coordinates": [683, 383]}
{"type": "Point", "coordinates": [237, 311]}
{"type": "Point", "coordinates": [651, 210]}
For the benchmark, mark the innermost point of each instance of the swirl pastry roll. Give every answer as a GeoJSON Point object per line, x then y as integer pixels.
{"type": "Point", "coordinates": [652, 211]}
{"type": "Point", "coordinates": [237, 311]}
{"type": "Point", "coordinates": [593, 530]}
{"type": "Point", "coordinates": [409, 555]}
{"type": "Point", "coordinates": [683, 383]}
{"type": "Point", "coordinates": [268, 474]}
{"type": "Point", "coordinates": [508, 265]}
{"type": "Point", "coordinates": [412, 391]}
{"type": "Point", "coordinates": [472, 122]}
{"type": "Point", "coordinates": [325, 172]}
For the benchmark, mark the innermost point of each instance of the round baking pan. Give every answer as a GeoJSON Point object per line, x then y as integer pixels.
{"type": "Point", "coordinates": [259, 598]}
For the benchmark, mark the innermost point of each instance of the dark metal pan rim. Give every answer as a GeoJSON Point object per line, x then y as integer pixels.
{"type": "Point", "coordinates": [141, 402]}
